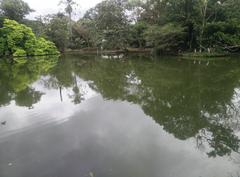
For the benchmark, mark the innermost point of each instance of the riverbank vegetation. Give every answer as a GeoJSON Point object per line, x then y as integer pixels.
{"type": "Point", "coordinates": [166, 26]}
{"type": "Point", "coordinates": [19, 41]}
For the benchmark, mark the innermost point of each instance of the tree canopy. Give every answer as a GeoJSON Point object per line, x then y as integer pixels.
{"type": "Point", "coordinates": [167, 26]}
{"type": "Point", "coordinates": [14, 9]}
{"type": "Point", "coordinates": [19, 40]}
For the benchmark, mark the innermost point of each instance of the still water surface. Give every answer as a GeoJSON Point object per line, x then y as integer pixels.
{"type": "Point", "coordinates": [85, 116]}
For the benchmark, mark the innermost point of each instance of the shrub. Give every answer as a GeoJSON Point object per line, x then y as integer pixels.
{"type": "Point", "coordinates": [19, 40]}
{"type": "Point", "coordinates": [19, 53]}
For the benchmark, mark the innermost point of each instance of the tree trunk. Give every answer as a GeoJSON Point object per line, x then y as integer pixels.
{"type": "Point", "coordinates": [204, 14]}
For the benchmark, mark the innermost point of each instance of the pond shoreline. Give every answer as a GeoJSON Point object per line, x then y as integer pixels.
{"type": "Point", "coordinates": [114, 51]}
{"type": "Point", "coordinates": [187, 55]}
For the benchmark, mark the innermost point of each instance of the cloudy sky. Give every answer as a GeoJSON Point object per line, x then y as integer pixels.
{"type": "Point", "coordinates": [43, 7]}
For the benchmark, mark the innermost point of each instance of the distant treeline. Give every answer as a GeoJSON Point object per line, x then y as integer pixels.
{"type": "Point", "coordinates": [167, 26]}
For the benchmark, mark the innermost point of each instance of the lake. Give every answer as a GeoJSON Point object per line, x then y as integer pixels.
{"type": "Point", "coordinates": [136, 116]}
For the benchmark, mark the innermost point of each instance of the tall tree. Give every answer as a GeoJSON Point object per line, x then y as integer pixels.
{"type": "Point", "coordinates": [203, 6]}
{"type": "Point", "coordinates": [57, 30]}
{"type": "Point", "coordinates": [111, 21]}
{"type": "Point", "coordinates": [69, 5]}
{"type": "Point", "coordinates": [15, 9]}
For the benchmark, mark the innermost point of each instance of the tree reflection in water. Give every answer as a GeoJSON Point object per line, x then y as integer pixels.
{"type": "Point", "coordinates": [188, 100]}
{"type": "Point", "coordinates": [17, 77]}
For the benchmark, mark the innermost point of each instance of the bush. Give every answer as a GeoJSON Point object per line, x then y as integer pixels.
{"type": "Point", "coordinates": [19, 40]}
{"type": "Point", "coordinates": [19, 53]}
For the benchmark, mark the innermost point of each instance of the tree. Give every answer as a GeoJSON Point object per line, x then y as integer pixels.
{"type": "Point", "coordinates": [203, 7]}
{"type": "Point", "coordinates": [87, 34]}
{"type": "Point", "coordinates": [183, 13]}
{"type": "Point", "coordinates": [38, 26]}
{"type": "Point", "coordinates": [223, 36]}
{"type": "Point", "coordinates": [57, 30]}
{"type": "Point", "coordinates": [19, 40]}
{"type": "Point", "coordinates": [165, 15]}
{"type": "Point", "coordinates": [111, 22]}
{"type": "Point", "coordinates": [168, 38]}
{"type": "Point", "coordinates": [153, 11]}
{"type": "Point", "coordinates": [194, 17]}
{"type": "Point", "coordinates": [231, 8]}
{"type": "Point", "coordinates": [82, 35]}
{"type": "Point", "coordinates": [137, 38]}
{"type": "Point", "coordinates": [69, 4]}
{"type": "Point", "coordinates": [14, 9]}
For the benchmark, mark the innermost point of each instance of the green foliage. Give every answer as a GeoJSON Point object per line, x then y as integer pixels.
{"type": "Point", "coordinates": [232, 9]}
{"type": "Point", "coordinates": [167, 38]}
{"type": "Point", "coordinates": [137, 38]}
{"type": "Point", "coordinates": [2, 45]}
{"type": "Point", "coordinates": [37, 26]}
{"type": "Point", "coordinates": [19, 53]}
{"type": "Point", "coordinates": [14, 9]}
{"type": "Point", "coordinates": [57, 30]}
{"type": "Point", "coordinates": [111, 23]}
{"type": "Point", "coordinates": [16, 76]}
{"type": "Point", "coordinates": [196, 18]}
{"type": "Point", "coordinates": [222, 34]}
{"type": "Point", "coordinates": [19, 40]}
{"type": "Point", "coordinates": [69, 5]}
{"type": "Point", "coordinates": [86, 34]}
{"type": "Point", "coordinates": [83, 35]}
{"type": "Point", "coordinates": [166, 26]}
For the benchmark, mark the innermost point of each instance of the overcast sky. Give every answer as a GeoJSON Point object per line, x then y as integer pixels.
{"type": "Point", "coordinates": [43, 7]}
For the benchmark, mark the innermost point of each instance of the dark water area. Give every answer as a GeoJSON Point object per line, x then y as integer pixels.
{"type": "Point", "coordinates": [137, 116]}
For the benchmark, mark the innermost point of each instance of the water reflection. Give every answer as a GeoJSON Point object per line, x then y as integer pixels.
{"type": "Point", "coordinates": [188, 101]}
{"type": "Point", "coordinates": [16, 78]}
{"type": "Point", "coordinates": [197, 104]}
